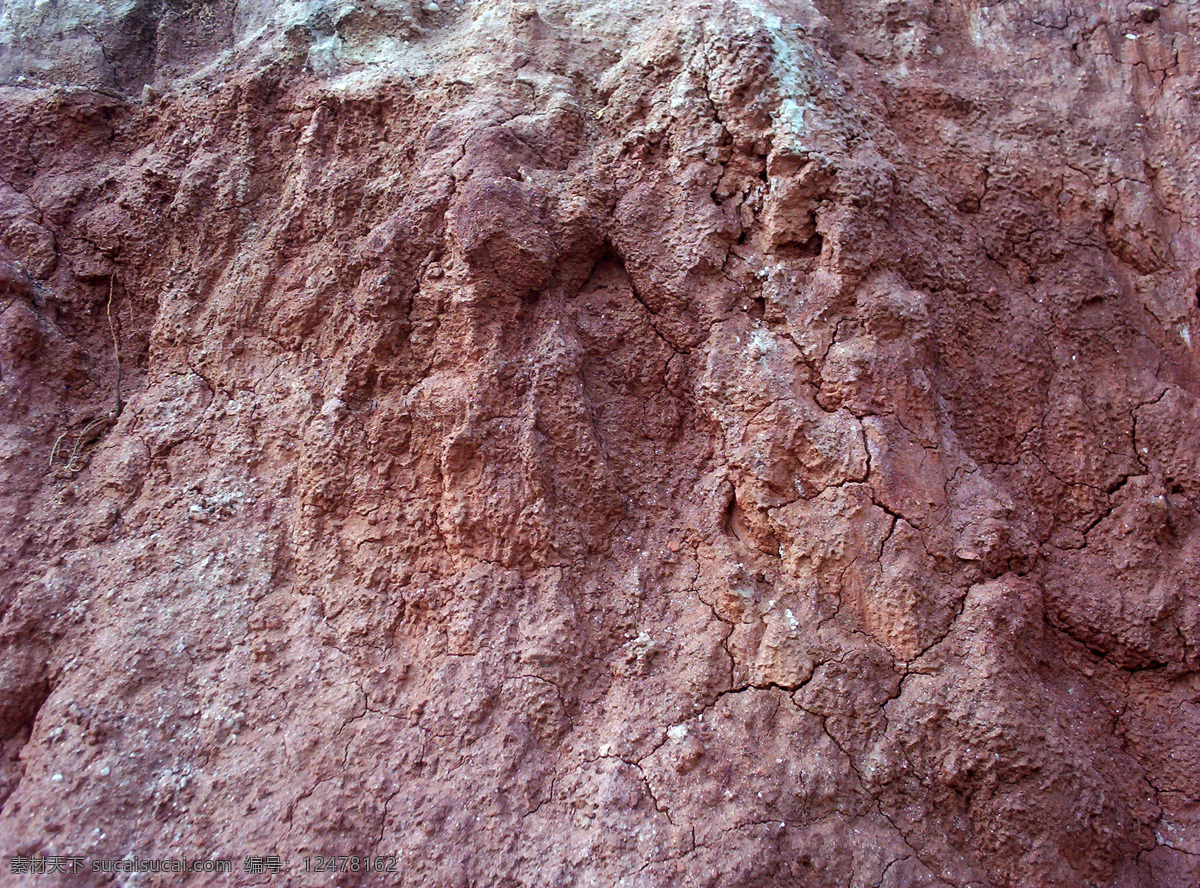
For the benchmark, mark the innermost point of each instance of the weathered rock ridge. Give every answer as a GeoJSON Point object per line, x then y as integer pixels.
{"type": "Point", "coordinates": [741, 444]}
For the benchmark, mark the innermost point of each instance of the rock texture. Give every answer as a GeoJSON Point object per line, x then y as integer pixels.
{"type": "Point", "coordinates": [736, 444]}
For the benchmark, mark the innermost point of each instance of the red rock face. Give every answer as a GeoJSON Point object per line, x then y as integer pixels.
{"type": "Point", "coordinates": [735, 445]}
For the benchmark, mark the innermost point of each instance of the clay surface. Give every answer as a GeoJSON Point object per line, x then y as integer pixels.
{"type": "Point", "coordinates": [736, 443]}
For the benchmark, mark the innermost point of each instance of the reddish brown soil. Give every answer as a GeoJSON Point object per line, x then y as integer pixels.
{"type": "Point", "coordinates": [745, 445]}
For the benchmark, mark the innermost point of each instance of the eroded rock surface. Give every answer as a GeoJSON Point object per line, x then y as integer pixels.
{"type": "Point", "coordinates": [741, 444]}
